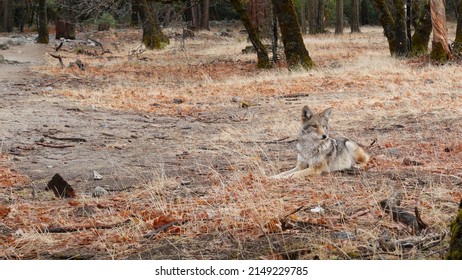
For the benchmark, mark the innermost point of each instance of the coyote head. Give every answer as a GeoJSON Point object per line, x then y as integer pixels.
{"type": "Point", "coordinates": [315, 126]}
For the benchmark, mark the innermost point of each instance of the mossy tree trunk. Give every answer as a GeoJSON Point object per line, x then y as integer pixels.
{"type": "Point", "coordinates": [388, 23]}
{"type": "Point", "coordinates": [440, 48]}
{"type": "Point", "coordinates": [421, 35]}
{"type": "Point", "coordinates": [455, 244]}
{"type": "Point", "coordinates": [262, 52]}
{"type": "Point", "coordinates": [153, 38]}
{"type": "Point", "coordinates": [339, 17]}
{"type": "Point", "coordinates": [43, 37]}
{"type": "Point", "coordinates": [296, 54]}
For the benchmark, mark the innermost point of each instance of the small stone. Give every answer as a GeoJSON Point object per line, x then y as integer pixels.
{"type": "Point", "coordinates": [99, 192]}
{"type": "Point", "coordinates": [343, 235]}
{"type": "Point", "coordinates": [317, 209]}
{"type": "Point", "coordinates": [178, 100]}
{"type": "Point", "coordinates": [235, 99]}
{"type": "Point", "coordinates": [97, 176]}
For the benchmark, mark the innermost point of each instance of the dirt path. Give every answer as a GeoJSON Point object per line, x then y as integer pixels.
{"type": "Point", "coordinates": [48, 135]}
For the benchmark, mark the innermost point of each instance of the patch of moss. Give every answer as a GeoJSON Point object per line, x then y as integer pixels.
{"type": "Point", "coordinates": [455, 245]}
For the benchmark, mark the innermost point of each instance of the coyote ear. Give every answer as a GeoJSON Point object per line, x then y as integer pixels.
{"type": "Point", "coordinates": [327, 113]}
{"type": "Point", "coordinates": [306, 113]}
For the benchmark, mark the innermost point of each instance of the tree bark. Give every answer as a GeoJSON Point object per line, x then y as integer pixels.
{"type": "Point", "coordinates": [339, 17]}
{"type": "Point", "coordinates": [388, 24]}
{"type": "Point", "coordinates": [262, 52]}
{"type": "Point", "coordinates": [134, 21]}
{"type": "Point", "coordinates": [153, 38]}
{"type": "Point", "coordinates": [354, 24]}
{"type": "Point", "coordinates": [43, 37]}
{"type": "Point", "coordinates": [400, 29]}
{"type": "Point", "coordinates": [296, 54]}
{"type": "Point", "coordinates": [458, 38]}
{"type": "Point", "coordinates": [303, 23]}
{"type": "Point", "coordinates": [440, 48]}
{"type": "Point", "coordinates": [194, 14]}
{"type": "Point", "coordinates": [313, 16]}
{"type": "Point", "coordinates": [205, 20]}
{"type": "Point", "coordinates": [421, 35]}
{"type": "Point", "coordinates": [320, 18]}
{"type": "Point", "coordinates": [7, 25]}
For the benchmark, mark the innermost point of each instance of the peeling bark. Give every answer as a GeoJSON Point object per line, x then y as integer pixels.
{"type": "Point", "coordinates": [440, 48]}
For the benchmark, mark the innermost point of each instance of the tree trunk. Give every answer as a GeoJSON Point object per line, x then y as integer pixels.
{"type": "Point", "coordinates": [458, 39]}
{"type": "Point", "coordinates": [7, 25]}
{"type": "Point", "coordinates": [134, 21]}
{"type": "Point", "coordinates": [400, 29]}
{"type": "Point", "coordinates": [42, 22]}
{"type": "Point", "coordinates": [354, 24]}
{"type": "Point", "coordinates": [205, 20]}
{"type": "Point", "coordinates": [153, 38]}
{"type": "Point", "coordinates": [339, 17]}
{"type": "Point", "coordinates": [440, 48]}
{"type": "Point", "coordinates": [313, 16]}
{"type": "Point", "coordinates": [262, 52]}
{"type": "Point", "coordinates": [303, 16]}
{"type": "Point", "coordinates": [364, 13]}
{"type": "Point", "coordinates": [422, 32]}
{"type": "Point", "coordinates": [455, 243]}
{"type": "Point", "coordinates": [194, 15]}
{"type": "Point", "coordinates": [320, 17]}
{"type": "Point", "coordinates": [297, 55]}
{"type": "Point", "coordinates": [388, 24]}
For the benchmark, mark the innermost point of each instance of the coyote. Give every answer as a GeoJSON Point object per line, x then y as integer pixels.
{"type": "Point", "coordinates": [317, 152]}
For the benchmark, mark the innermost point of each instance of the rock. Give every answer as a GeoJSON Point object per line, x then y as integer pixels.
{"type": "Point", "coordinates": [317, 209]}
{"type": "Point", "coordinates": [4, 46]}
{"type": "Point", "coordinates": [178, 100]}
{"type": "Point", "coordinates": [99, 192]}
{"type": "Point", "coordinates": [97, 176]}
{"type": "Point", "coordinates": [343, 235]}
{"type": "Point", "coordinates": [2, 58]}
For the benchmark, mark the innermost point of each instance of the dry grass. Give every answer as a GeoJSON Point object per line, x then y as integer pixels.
{"type": "Point", "coordinates": [409, 109]}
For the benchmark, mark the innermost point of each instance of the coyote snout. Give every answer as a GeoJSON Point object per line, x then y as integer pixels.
{"type": "Point", "coordinates": [317, 152]}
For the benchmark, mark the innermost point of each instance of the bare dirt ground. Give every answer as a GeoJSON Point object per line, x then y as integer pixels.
{"type": "Point", "coordinates": [185, 138]}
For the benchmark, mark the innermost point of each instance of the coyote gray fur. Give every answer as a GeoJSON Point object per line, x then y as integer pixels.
{"type": "Point", "coordinates": [318, 153]}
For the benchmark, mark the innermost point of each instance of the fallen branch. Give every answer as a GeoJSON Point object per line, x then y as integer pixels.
{"type": "Point", "coordinates": [390, 205]}
{"type": "Point", "coordinates": [100, 45]}
{"type": "Point", "coordinates": [59, 47]}
{"type": "Point", "coordinates": [154, 232]}
{"type": "Point", "coordinates": [59, 58]}
{"type": "Point", "coordinates": [56, 146]}
{"type": "Point", "coordinates": [421, 242]}
{"type": "Point", "coordinates": [85, 227]}
{"type": "Point", "coordinates": [72, 139]}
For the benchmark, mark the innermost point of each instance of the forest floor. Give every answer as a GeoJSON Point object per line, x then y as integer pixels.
{"type": "Point", "coordinates": [186, 137]}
